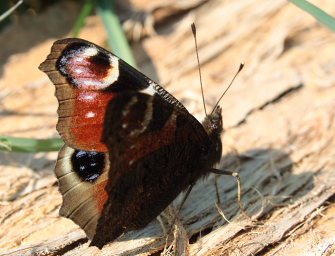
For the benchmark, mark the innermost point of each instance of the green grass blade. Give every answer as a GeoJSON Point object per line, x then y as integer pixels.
{"type": "Point", "coordinates": [8, 143]}
{"type": "Point", "coordinates": [116, 38]}
{"type": "Point", "coordinates": [319, 14]}
{"type": "Point", "coordinates": [10, 10]}
{"type": "Point", "coordinates": [84, 13]}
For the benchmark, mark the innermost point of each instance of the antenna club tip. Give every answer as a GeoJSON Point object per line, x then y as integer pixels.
{"type": "Point", "coordinates": [193, 28]}
{"type": "Point", "coordinates": [241, 67]}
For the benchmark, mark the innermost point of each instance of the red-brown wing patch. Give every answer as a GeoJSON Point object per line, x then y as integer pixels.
{"type": "Point", "coordinates": [81, 118]}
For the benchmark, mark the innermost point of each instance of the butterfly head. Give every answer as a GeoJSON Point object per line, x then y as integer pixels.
{"type": "Point", "coordinates": [213, 123]}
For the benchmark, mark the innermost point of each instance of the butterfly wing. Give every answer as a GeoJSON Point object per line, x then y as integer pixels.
{"type": "Point", "coordinates": [87, 78]}
{"type": "Point", "coordinates": [156, 151]}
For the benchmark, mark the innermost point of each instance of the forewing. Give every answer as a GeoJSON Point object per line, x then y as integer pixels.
{"type": "Point", "coordinates": [87, 77]}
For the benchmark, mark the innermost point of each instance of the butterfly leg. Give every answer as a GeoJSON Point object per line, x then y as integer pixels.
{"type": "Point", "coordinates": [169, 214]}
{"type": "Point", "coordinates": [239, 187]}
{"type": "Point", "coordinates": [188, 191]}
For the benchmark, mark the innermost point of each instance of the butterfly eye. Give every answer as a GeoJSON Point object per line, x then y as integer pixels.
{"type": "Point", "coordinates": [204, 152]}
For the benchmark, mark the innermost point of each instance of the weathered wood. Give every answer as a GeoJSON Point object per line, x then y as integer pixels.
{"type": "Point", "coordinates": [279, 119]}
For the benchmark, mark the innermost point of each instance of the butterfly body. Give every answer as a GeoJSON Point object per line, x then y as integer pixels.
{"type": "Point", "coordinates": [130, 146]}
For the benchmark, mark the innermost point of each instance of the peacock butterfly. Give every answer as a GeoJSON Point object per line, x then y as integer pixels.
{"type": "Point", "coordinates": [130, 146]}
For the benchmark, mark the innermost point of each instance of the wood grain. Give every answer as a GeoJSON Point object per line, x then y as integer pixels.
{"type": "Point", "coordinates": [279, 120]}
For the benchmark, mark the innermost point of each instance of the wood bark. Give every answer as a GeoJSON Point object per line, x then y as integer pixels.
{"type": "Point", "coordinates": [278, 116]}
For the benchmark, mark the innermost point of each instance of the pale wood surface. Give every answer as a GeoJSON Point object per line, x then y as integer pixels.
{"type": "Point", "coordinates": [279, 120]}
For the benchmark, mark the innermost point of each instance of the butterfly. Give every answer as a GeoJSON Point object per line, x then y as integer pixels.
{"type": "Point", "coordinates": [130, 146]}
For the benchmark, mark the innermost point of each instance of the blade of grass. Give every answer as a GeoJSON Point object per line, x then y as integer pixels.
{"type": "Point", "coordinates": [315, 11]}
{"type": "Point", "coordinates": [84, 13]}
{"type": "Point", "coordinates": [116, 38]}
{"type": "Point", "coordinates": [10, 10]}
{"type": "Point", "coordinates": [8, 143]}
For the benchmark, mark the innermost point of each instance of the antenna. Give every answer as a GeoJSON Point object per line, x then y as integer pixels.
{"type": "Point", "coordinates": [238, 71]}
{"type": "Point", "coordinates": [194, 31]}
